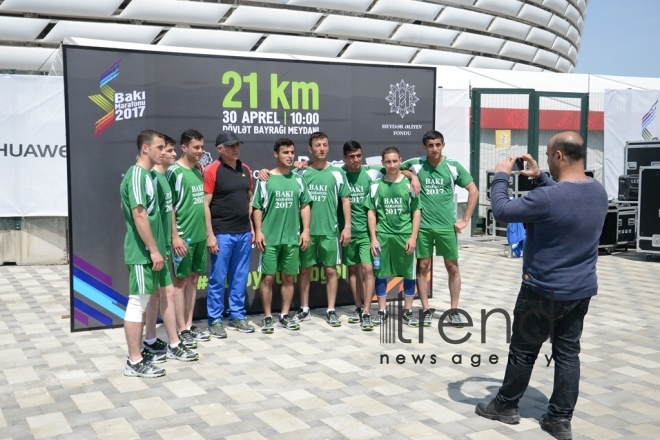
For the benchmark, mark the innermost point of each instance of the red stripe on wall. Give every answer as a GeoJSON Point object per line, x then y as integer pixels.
{"type": "Point", "coordinates": [516, 119]}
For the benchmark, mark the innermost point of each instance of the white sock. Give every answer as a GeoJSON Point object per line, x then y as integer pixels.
{"type": "Point", "coordinates": [331, 310]}
{"type": "Point", "coordinates": [173, 346]}
{"type": "Point", "coordinates": [305, 309]}
{"type": "Point", "coordinates": [150, 341]}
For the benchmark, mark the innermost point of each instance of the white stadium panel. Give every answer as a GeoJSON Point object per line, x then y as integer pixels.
{"type": "Point", "coordinates": [563, 64]}
{"type": "Point", "coordinates": [526, 68]}
{"type": "Point", "coordinates": [509, 28]}
{"type": "Point", "coordinates": [559, 6]}
{"type": "Point", "coordinates": [379, 52]}
{"type": "Point", "coordinates": [478, 43]}
{"type": "Point", "coordinates": [491, 63]}
{"type": "Point", "coordinates": [412, 33]}
{"type": "Point", "coordinates": [572, 69]}
{"type": "Point", "coordinates": [460, 2]}
{"type": "Point", "coordinates": [268, 19]}
{"type": "Point", "coordinates": [465, 19]}
{"type": "Point", "coordinates": [78, 8]}
{"type": "Point", "coordinates": [294, 45]}
{"type": "Point", "coordinates": [582, 6]}
{"type": "Point", "coordinates": [561, 46]}
{"type": "Point", "coordinates": [546, 33]}
{"type": "Point", "coordinates": [342, 5]}
{"type": "Point", "coordinates": [504, 7]}
{"type": "Point", "coordinates": [175, 11]}
{"type": "Point", "coordinates": [546, 58]}
{"type": "Point", "coordinates": [520, 51]}
{"type": "Point", "coordinates": [573, 34]}
{"type": "Point", "coordinates": [356, 26]}
{"type": "Point", "coordinates": [539, 36]}
{"type": "Point", "coordinates": [210, 39]}
{"type": "Point", "coordinates": [103, 31]}
{"type": "Point", "coordinates": [21, 29]}
{"type": "Point", "coordinates": [572, 14]}
{"type": "Point", "coordinates": [26, 58]}
{"type": "Point", "coordinates": [410, 9]}
{"type": "Point", "coordinates": [439, 57]}
{"type": "Point", "coordinates": [559, 25]}
{"type": "Point", "coordinates": [535, 15]}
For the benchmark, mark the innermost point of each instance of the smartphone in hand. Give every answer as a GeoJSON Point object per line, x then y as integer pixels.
{"type": "Point", "coordinates": [519, 164]}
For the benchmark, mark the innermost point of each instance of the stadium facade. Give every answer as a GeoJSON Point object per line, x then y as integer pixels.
{"type": "Point", "coordinates": [526, 35]}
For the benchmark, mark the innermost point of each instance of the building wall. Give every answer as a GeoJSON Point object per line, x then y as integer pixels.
{"type": "Point", "coordinates": [529, 35]}
{"type": "Point", "coordinates": [33, 241]}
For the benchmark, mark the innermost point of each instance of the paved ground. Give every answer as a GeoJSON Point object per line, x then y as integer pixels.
{"type": "Point", "coordinates": [324, 382]}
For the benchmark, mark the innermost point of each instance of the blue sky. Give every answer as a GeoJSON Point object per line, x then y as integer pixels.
{"type": "Point", "coordinates": [621, 37]}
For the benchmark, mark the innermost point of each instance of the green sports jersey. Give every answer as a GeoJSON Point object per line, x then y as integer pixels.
{"type": "Point", "coordinates": [359, 182]}
{"type": "Point", "coordinates": [188, 202]}
{"type": "Point", "coordinates": [325, 188]}
{"type": "Point", "coordinates": [394, 203]}
{"type": "Point", "coordinates": [138, 189]}
{"type": "Point", "coordinates": [437, 195]}
{"type": "Point", "coordinates": [280, 199]}
{"type": "Point", "coordinates": [164, 206]}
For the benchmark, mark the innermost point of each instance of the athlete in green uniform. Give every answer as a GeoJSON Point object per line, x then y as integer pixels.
{"type": "Point", "coordinates": [144, 247]}
{"type": "Point", "coordinates": [394, 217]}
{"type": "Point", "coordinates": [188, 233]}
{"type": "Point", "coordinates": [280, 205]}
{"type": "Point", "coordinates": [327, 185]}
{"type": "Point", "coordinates": [164, 297]}
{"type": "Point", "coordinates": [438, 176]}
{"type": "Point", "coordinates": [357, 255]}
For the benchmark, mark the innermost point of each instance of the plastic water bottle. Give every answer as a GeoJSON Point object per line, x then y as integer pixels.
{"type": "Point", "coordinates": [377, 258]}
{"type": "Point", "coordinates": [176, 259]}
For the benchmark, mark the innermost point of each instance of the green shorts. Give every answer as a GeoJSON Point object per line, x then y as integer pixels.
{"type": "Point", "coordinates": [280, 258]}
{"type": "Point", "coordinates": [142, 280]}
{"type": "Point", "coordinates": [164, 276]}
{"type": "Point", "coordinates": [358, 251]}
{"type": "Point", "coordinates": [194, 261]}
{"type": "Point", "coordinates": [394, 262]}
{"type": "Point", "coordinates": [446, 243]}
{"type": "Point", "coordinates": [322, 249]}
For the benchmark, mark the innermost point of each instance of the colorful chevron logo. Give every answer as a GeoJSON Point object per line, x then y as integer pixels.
{"type": "Point", "coordinates": [106, 99]}
{"type": "Point", "coordinates": [646, 121]}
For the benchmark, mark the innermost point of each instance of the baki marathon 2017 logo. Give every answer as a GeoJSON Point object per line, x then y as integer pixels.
{"type": "Point", "coordinates": [119, 106]}
{"type": "Point", "coordinates": [402, 99]}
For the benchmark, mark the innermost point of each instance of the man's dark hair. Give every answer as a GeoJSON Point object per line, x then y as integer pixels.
{"type": "Point", "coordinates": [432, 135]}
{"type": "Point", "coordinates": [189, 135]}
{"type": "Point", "coordinates": [317, 135]}
{"type": "Point", "coordinates": [351, 146]}
{"type": "Point", "coordinates": [146, 137]}
{"type": "Point", "coordinates": [282, 142]}
{"type": "Point", "coordinates": [572, 146]}
{"type": "Point", "coordinates": [169, 140]}
{"type": "Point", "coordinates": [389, 150]}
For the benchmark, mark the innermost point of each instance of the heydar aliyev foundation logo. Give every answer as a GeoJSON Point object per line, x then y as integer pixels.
{"type": "Point", "coordinates": [118, 106]}
{"type": "Point", "coordinates": [402, 98]}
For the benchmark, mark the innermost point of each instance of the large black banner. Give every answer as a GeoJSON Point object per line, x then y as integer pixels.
{"type": "Point", "coordinates": [112, 95]}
